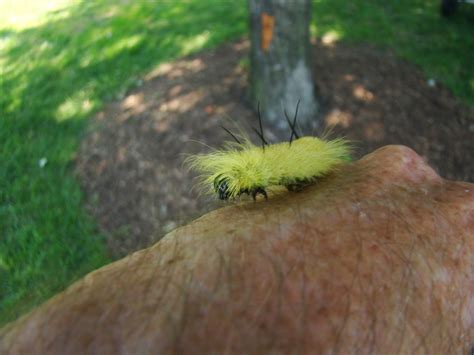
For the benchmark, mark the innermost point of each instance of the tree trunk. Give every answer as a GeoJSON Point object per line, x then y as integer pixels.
{"type": "Point", "coordinates": [280, 60]}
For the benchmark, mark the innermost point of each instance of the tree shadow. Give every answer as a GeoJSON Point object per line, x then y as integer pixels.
{"type": "Point", "coordinates": [102, 47]}
{"type": "Point", "coordinates": [415, 30]}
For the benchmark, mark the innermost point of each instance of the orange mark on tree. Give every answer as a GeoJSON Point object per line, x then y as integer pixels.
{"type": "Point", "coordinates": [268, 24]}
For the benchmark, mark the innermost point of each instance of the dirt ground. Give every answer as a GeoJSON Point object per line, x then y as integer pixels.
{"type": "Point", "coordinates": [130, 162]}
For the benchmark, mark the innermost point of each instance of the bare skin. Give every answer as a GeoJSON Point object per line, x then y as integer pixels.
{"type": "Point", "coordinates": [376, 258]}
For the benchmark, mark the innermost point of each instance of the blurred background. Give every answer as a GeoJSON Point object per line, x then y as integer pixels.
{"type": "Point", "coordinates": [101, 100]}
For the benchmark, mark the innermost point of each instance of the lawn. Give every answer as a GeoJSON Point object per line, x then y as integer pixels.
{"type": "Point", "coordinates": [54, 76]}
{"type": "Point", "coordinates": [61, 60]}
{"type": "Point", "coordinates": [443, 48]}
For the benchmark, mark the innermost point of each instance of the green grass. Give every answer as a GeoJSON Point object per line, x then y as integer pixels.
{"type": "Point", "coordinates": [54, 76]}
{"type": "Point", "coordinates": [58, 67]}
{"type": "Point", "coordinates": [442, 48]}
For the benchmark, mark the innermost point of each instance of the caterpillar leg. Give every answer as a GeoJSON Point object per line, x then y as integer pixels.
{"type": "Point", "coordinates": [295, 187]}
{"type": "Point", "coordinates": [259, 190]}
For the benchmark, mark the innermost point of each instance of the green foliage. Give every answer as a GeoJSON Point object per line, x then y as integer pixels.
{"type": "Point", "coordinates": [414, 29]}
{"type": "Point", "coordinates": [54, 76]}
{"type": "Point", "coordinates": [57, 70]}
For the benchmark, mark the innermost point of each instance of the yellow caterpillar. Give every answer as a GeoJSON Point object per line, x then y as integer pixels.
{"type": "Point", "coordinates": [242, 167]}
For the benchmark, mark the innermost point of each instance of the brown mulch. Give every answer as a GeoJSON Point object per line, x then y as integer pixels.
{"type": "Point", "coordinates": [130, 164]}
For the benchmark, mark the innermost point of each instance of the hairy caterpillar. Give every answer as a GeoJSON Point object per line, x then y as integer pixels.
{"type": "Point", "coordinates": [244, 168]}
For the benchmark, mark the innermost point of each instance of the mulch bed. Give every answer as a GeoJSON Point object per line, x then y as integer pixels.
{"type": "Point", "coordinates": [130, 163]}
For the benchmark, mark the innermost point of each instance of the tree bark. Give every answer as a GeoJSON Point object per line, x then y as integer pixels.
{"type": "Point", "coordinates": [280, 60]}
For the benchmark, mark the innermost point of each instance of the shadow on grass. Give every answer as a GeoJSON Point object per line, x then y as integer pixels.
{"type": "Point", "coordinates": [415, 30]}
{"type": "Point", "coordinates": [54, 76]}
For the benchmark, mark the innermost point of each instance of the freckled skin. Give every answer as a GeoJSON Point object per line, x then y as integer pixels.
{"type": "Point", "coordinates": [375, 258]}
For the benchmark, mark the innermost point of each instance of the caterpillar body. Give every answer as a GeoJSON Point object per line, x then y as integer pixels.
{"type": "Point", "coordinates": [241, 167]}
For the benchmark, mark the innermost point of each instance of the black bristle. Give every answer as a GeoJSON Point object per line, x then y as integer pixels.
{"type": "Point", "coordinates": [289, 124]}
{"type": "Point", "coordinates": [264, 142]}
{"type": "Point", "coordinates": [260, 134]}
{"type": "Point", "coordinates": [231, 134]}
{"type": "Point", "coordinates": [294, 120]}
{"type": "Point", "coordinates": [293, 125]}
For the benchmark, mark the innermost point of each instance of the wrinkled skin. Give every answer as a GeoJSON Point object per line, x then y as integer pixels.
{"type": "Point", "coordinates": [376, 258]}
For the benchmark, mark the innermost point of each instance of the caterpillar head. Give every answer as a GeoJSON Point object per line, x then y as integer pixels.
{"type": "Point", "coordinates": [221, 187]}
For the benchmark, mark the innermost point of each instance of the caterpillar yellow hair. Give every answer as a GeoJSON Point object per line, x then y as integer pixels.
{"type": "Point", "coordinates": [243, 168]}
